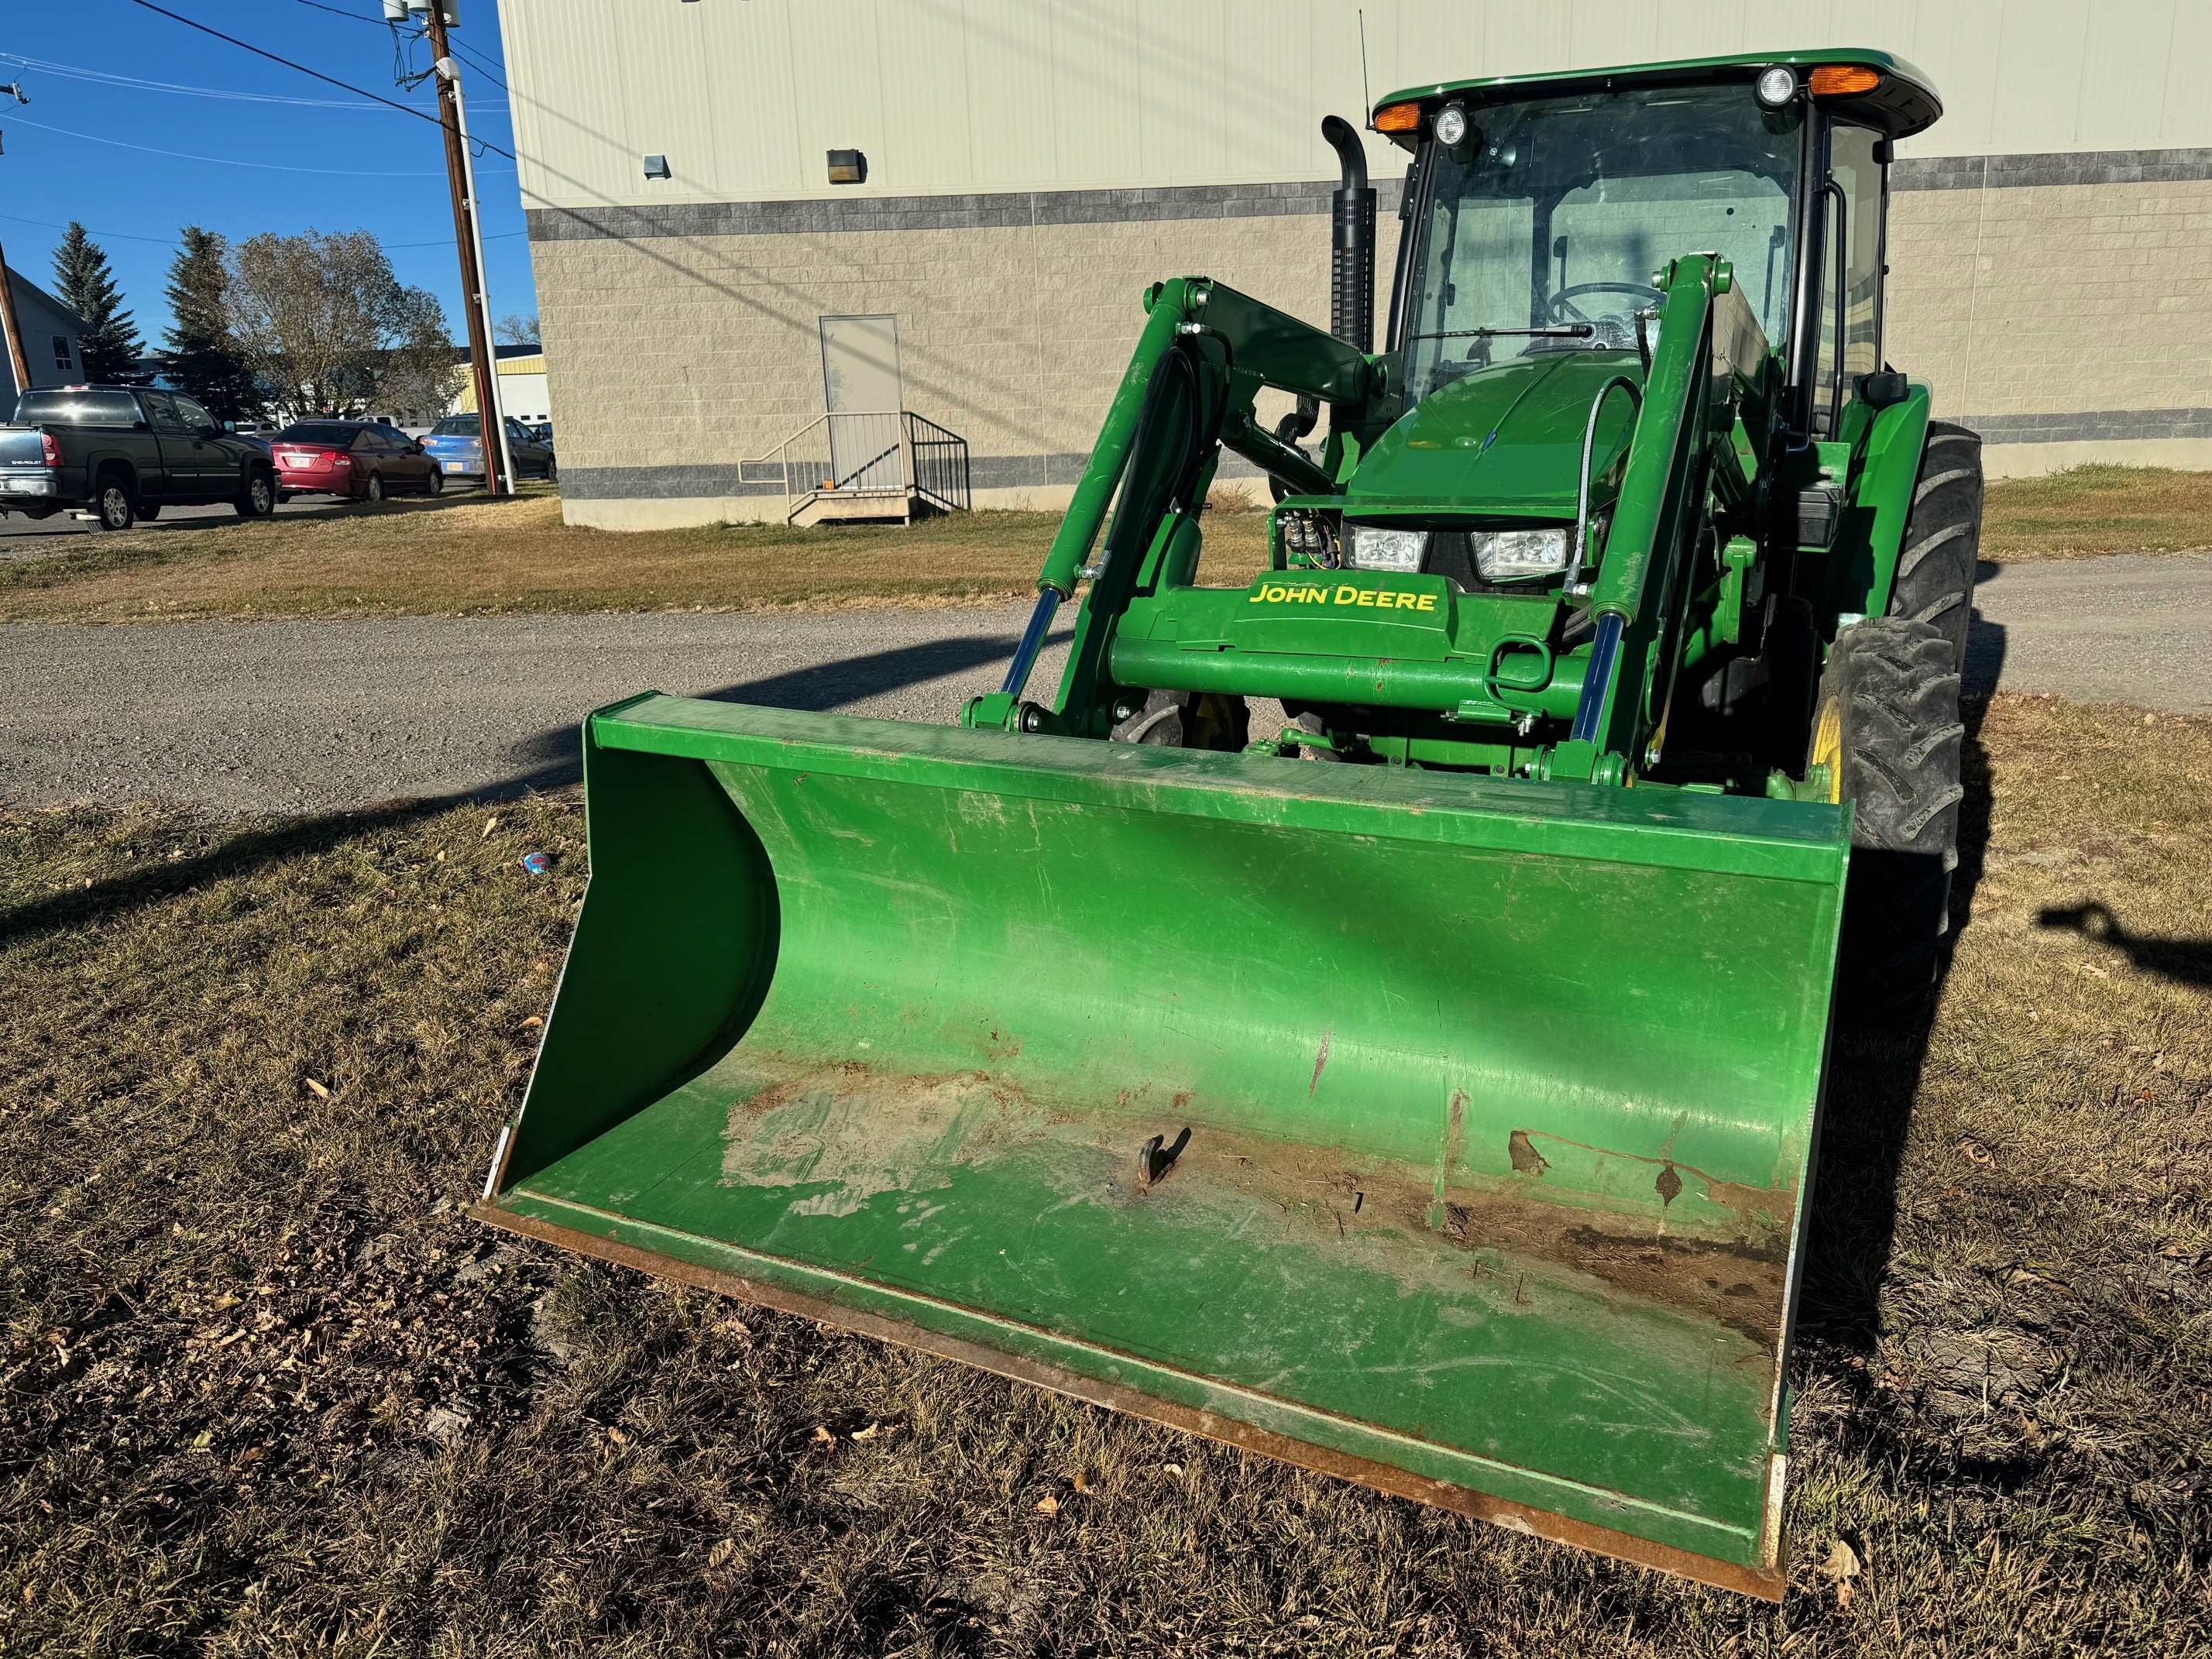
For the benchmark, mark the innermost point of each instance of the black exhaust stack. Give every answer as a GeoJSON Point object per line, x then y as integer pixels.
{"type": "Point", "coordinates": [1352, 264]}
{"type": "Point", "coordinates": [1350, 269]}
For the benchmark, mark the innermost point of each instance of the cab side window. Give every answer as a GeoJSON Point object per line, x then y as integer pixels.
{"type": "Point", "coordinates": [161, 411]}
{"type": "Point", "coordinates": [1857, 310]}
{"type": "Point", "coordinates": [192, 417]}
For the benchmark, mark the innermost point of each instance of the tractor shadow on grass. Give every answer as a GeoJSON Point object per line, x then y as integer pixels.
{"type": "Point", "coordinates": [552, 760]}
{"type": "Point", "coordinates": [1874, 1076]}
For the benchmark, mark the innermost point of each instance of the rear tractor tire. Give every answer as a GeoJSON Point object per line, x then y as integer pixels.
{"type": "Point", "coordinates": [1188, 719]}
{"type": "Point", "coordinates": [1886, 724]}
{"type": "Point", "coordinates": [1934, 581]}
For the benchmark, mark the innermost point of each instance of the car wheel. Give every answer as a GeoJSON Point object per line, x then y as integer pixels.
{"type": "Point", "coordinates": [376, 492]}
{"type": "Point", "coordinates": [436, 484]}
{"type": "Point", "coordinates": [552, 472]}
{"type": "Point", "coordinates": [116, 509]}
{"type": "Point", "coordinates": [259, 499]}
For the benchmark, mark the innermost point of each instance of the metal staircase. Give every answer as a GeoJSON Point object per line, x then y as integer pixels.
{"type": "Point", "coordinates": [878, 465]}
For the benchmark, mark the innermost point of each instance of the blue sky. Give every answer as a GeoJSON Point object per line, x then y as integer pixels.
{"type": "Point", "coordinates": [123, 194]}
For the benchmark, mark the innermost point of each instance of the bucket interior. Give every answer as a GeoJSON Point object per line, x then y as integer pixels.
{"type": "Point", "coordinates": [1483, 1110]}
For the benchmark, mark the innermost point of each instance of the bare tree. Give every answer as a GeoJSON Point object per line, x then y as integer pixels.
{"type": "Point", "coordinates": [518, 329]}
{"type": "Point", "coordinates": [325, 324]}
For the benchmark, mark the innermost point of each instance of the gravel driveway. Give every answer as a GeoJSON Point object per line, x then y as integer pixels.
{"type": "Point", "coordinates": [314, 716]}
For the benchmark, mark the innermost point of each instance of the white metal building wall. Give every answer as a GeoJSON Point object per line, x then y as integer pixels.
{"type": "Point", "coordinates": [744, 97]}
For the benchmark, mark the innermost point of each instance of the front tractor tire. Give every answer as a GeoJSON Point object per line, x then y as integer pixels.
{"type": "Point", "coordinates": [1886, 724]}
{"type": "Point", "coordinates": [1188, 719]}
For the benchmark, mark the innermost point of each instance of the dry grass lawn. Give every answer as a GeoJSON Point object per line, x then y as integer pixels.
{"type": "Point", "coordinates": [468, 556]}
{"type": "Point", "coordinates": [471, 555]}
{"type": "Point", "coordinates": [2089, 510]}
{"type": "Point", "coordinates": [264, 1389]}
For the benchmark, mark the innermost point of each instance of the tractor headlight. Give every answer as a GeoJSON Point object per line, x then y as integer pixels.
{"type": "Point", "coordinates": [1451, 125]}
{"type": "Point", "coordinates": [1374, 547]}
{"type": "Point", "coordinates": [1776, 87]}
{"type": "Point", "coordinates": [1501, 556]}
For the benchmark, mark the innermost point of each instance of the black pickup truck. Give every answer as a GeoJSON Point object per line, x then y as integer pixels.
{"type": "Point", "coordinates": [125, 452]}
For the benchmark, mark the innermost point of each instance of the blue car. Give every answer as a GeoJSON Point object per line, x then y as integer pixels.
{"type": "Point", "coordinates": [456, 443]}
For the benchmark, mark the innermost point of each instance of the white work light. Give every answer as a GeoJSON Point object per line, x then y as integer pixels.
{"type": "Point", "coordinates": [1777, 86]}
{"type": "Point", "coordinates": [1451, 124]}
{"type": "Point", "coordinates": [1374, 547]}
{"type": "Point", "coordinates": [1502, 555]}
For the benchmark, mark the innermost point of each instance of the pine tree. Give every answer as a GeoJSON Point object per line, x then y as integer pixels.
{"type": "Point", "coordinates": [110, 344]}
{"type": "Point", "coordinates": [208, 364]}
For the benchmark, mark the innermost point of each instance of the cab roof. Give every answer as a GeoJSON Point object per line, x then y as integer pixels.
{"type": "Point", "coordinates": [1906, 101]}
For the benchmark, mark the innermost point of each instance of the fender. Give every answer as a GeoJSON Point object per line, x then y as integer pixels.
{"type": "Point", "coordinates": [102, 458]}
{"type": "Point", "coordinates": [1886, 468]}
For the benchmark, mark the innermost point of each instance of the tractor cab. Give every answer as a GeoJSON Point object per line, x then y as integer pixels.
{"type": "Point", "coordinates": [1539, 211]}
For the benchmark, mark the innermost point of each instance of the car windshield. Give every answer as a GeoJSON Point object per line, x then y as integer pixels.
{"type": "Point", "coordinates": [1554, 214]}
{"type": "Point", "coordinates": [318, 432]}
{"type": "Point", "coordinates": [455, 426]}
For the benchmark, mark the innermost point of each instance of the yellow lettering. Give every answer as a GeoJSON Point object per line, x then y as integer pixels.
{"type": "Point", "coordinates": [1347, 594]}
{"type": "Point", "coordinates": [1402, 601]}
{"type": "Point", "coordinates": [1366, 597]}
{"type": "Point", "coordinates": [1257, 596]}
{"type": "Point", "coordinates": [1428, 601]}
{"type": "Point", "coordinates": [1276, 592]}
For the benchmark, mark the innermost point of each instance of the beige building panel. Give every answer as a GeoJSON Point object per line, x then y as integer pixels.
{"type": "Point", "coordinates": [1055, 94]}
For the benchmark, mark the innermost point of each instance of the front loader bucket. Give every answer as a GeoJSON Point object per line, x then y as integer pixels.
{"type": "Point", "coordinates": [1484, 1108]}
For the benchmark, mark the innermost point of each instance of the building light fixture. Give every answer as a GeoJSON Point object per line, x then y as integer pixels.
{"type": "Point", "coordinates": [847, 167]}
{"type": "Point", "coordinates": [656, 167]}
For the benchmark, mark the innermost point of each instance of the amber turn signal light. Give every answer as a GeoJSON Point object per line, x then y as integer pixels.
{"type": "Point", "coordinates": [1844, 80]}
{"type": "Point", "coordinates": [1398, 117]}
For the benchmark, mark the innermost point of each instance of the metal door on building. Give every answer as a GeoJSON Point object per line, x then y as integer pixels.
{"type": "Point", "coordinates": [865, 398]}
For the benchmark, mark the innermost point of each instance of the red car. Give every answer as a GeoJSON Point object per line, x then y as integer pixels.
{"type": "Point", "coordinates": [361, 460]}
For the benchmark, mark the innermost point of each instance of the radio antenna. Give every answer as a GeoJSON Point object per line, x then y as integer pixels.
{"type": "Point", "coordinates": [1366, 96]}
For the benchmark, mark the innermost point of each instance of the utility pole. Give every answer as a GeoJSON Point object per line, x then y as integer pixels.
{"type": "Point", "coordinates": [12, 328]}
{"type": "Point", "coordinates": [9, 325]}
{"type": "Point", "coordinates": [460, 178]}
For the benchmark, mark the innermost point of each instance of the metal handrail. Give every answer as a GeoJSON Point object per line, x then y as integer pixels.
{"type": "Point", "coordinates": [932, 461]}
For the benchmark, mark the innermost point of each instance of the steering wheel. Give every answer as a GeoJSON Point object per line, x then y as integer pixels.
{"type": "Point", "coordinates": [1562, 311]}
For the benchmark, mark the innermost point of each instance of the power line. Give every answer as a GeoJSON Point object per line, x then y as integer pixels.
{"type": "Point", "coordinates": [480, 67]}
{"type": "Point", "coordinates": [171, 241]}
{"type": "Point", "coordinates": [222, 161]}
{"type": "Point", "coordinates": [108, 235]}
{"type": "Point", "coordinates": [343, 86]}
{"type": "Point", "coordinates": [139, 83]}
{"type": "Point", "coordinates": [136, 83]}
{"type": "Point", "coordinates": [340, 11]}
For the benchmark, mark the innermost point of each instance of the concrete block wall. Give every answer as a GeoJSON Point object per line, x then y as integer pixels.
{"type": "Point", "coordinates": [2061, 305]}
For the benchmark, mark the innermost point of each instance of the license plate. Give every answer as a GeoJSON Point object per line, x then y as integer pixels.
{"type": "Point", "coordinates": [26, 486]}
{"type": "Point", "coordinates": [453, 466]}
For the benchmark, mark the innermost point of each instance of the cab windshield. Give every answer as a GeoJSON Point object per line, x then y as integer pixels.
{"type": "Point", "coordinates": [1547, 222]}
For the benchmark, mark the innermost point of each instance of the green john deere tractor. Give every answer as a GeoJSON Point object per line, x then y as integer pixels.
{"type": "Point", "coordinates": [1419, 1084]}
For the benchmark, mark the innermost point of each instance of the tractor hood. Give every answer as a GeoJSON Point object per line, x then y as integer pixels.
{"type": "Point", "coordinates": [1507, 439]}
